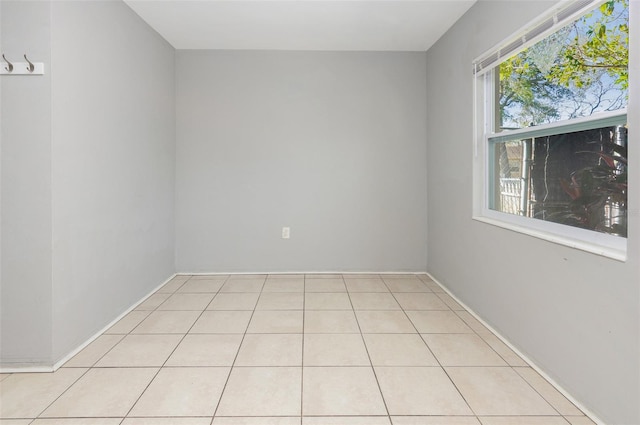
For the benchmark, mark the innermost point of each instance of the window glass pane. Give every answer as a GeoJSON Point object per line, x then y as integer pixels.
{"type": "Point", "coordinates": [576, 178]}
{"type": "Point", "coordinates": [579, 70]}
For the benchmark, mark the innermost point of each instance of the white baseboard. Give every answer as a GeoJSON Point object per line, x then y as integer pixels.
{"type": "Point", "coordinates": [24, 368]}
{"type": "Point", "coordinates": [301, 273]}
{"type": "Point", "coordinates": [27, 368]}
{"type": "Point", "coordinates": [524, 357]}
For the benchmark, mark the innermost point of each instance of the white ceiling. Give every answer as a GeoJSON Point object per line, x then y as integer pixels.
{"type": "Point", "coordinates": [396, 25]}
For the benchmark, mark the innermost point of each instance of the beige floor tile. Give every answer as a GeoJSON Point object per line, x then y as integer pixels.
{"type": "Point", "coordinates": [420, 391]}
{"type": "Point", "coordinates": [222, 277]}
{"type": "Point", "coordinates": [398, 350]}
{"type": "Point", "coordinates": [434, 420]}
{"type": "Point", "coordinates": [397, 283]}
{"type": "Point", "coordinates": [579, 420]}
{"type": "Point", "coordinates": [325, 321]}
{"type": "Point", "coordinates": [153, 301]}
{"type": "Point", "coordinates": [327, 301]}
{"type": "Point", "coordinates": [473, 323]}
{"type": "Point", "coordinates": [26, 395]}
{"type": "Point", "coordinates": [128, 322]}
{"type": "Point", "coordinates": [173, 285]}
{"type": "Point", "coordinates": [277, 276]}
{"type": "Point", "coordinates": [167, 322]}
{"type": "Point", "coordinates": [262, 420]}
{"type": "Point", "coordinates": [274, 321]}
{"type": "Point", "coordinates": [4, 376]}
{"type": "Point", "coordinates": [167, 421]}
{"type": "Point", "coordinates": [523, 420]}
{"type": "Point", "coordinates": [331, 391]}
{"type": "Point", "coordinates": [325, 285]}
{"type": "Point", "coordinates": [94, 351]}
{"type": "Point", "coordinates": [365, 285]}
{"type": "Point", "coordinates": [240, 277]}
{"type": "Point", "coordinates": [503, 350]}
{"type": "Point", "coordinates": [244, 301]}
{"type": "Point", "coordinates": [284, 285]}
{"type": "Point", "coordinates": [270, 350]}
{"type": "Point", "coordinates": [384, 322]}
{"type": "Point", "coordinates": [222, 322]}
{"type": "Point", "coordinates": [141, 351]}
{"type": "Point", "coordinates": [448, 300]}
{"type": "Point", "coordinates": [102, 393]}
{"type": "Point", "coordinates": [335, 350]}
{"type": "Point", "coordinates": [323, 276]}
{"type": "Point", "coordinates": [242, 285]}
{"type": "Point", "coordinates": [346, 420]}
{"type": "Point", "coordinates": [548, 392]}
{"type": "Point", "coordinates": [360, 276]}
{"type": "Point", "coordinates": [433, 321]}
{"type": "Point", "coordinates": [76, 421]}
{"type": "Point", "coordinates": [16, 421]}
{"type": "Point", "coordinates": [199, 286]}
{"type": "Point", "coordinates": [435, 287]}
{"type": "Point", "coordinates": [182, 391]}
{"type": "Point", "coordinates": [420, 301]}
{"type": "Point", "coordinates": [206, 350]}
{"type": "Point", "coordinates": [406, 284]}
{"type": "Point", "coordinates": [399, 276]}
{"type": "Point", "coordinates": [262, 391]}
{"type": "Point", "coordinates": [179, 301]}
{"type": "Point", "coordinates": [462, 350]}
{"type": "Point", "coordinates": [373, 301]}
{"type": "Point", "coordinates": [498, 391]}
{"type": "Point", "coordinates": [280, 301]}
{"type": "Point", "coordinates": [182, 277]}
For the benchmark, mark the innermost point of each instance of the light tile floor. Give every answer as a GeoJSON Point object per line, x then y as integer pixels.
{"type": "Point", "coordinates": [291, 349]}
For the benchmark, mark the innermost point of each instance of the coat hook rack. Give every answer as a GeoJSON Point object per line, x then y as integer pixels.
{"type": "Point", "coordinates": [31, 66]}
{"type": "Point", "coordinates": [9, 67]}
{"type": "Point", "coordinates": [22, 68]}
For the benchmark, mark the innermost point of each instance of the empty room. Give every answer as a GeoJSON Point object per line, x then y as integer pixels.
{"type": "Point", "coordinates": [318, 212]}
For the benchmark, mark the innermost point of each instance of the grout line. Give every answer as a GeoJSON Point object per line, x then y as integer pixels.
{"type": "Point", "coordinates": [62, 393]}
{"type": "Point", "coordinates": [304, 301]}
{"type": "Point", "coordinates": [373, 369]}
{"type": "Point", "coordinates": [174, 349]}
{"type": "Point", "coordinates": [432, 353]}
{"type": "Point", "coordinates": [170, 354]}
{"type": "Point", "coordinates": [233, 364]}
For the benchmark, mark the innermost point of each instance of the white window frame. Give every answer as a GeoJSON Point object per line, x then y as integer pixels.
{"type": "Point", "coordinates": [484, 77]}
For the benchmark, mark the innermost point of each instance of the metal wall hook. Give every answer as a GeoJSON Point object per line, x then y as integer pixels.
{"type": "Point", "coordinates": [9, 66]}
{"type": "Point", "coordinates": [31, 66]}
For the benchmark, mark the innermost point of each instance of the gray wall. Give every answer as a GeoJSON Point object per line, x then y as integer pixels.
{"type": "Point", "coordinates": [113, 150]}
{"type": "Point", "coordinates": [330, 144]}
{"type": "Point", "coordinates": [87, 173]}
{"type": "Point", "coordinates": [575, 314]}
{"type": "Point", "coordinates": [25, 122]}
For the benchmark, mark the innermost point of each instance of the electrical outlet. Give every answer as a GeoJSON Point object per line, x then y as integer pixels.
{"type": "Point", "coordinates": [285, 233]}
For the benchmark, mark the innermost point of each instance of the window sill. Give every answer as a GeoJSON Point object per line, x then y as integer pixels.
{"type": "Point", "coordinates": [603, 251]}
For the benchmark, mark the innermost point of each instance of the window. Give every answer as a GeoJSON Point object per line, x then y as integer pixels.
{"type": "Point", "coordinates": [551, 143]}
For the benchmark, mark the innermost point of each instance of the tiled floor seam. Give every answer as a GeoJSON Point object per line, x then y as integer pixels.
{"type": "Point", "coordinates": [304, 299]}
{"type": "Point", "coordinates": [373, 369]}
{"type": "Point", "coordinates": [435, 357]}
{"type": "Point", "coordinates": [226, 382]}
{"type": "Point", "coordinates": [172, 351]}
